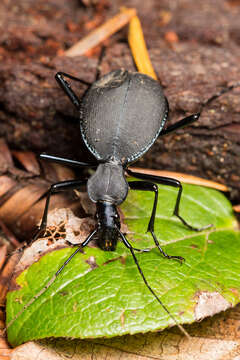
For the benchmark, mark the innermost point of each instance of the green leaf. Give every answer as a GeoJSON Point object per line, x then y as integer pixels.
{"type": "Point", "coordinates": [101, 294]}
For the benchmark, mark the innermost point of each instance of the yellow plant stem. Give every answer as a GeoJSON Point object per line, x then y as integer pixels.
{"type": "Point", "coordinates": [138, 48]}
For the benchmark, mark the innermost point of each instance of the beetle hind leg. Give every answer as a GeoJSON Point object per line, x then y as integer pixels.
{"type": "Point", "coordinates": [177, 183]}
{"type": "Point", "coordinates": [142, 250]}
{"type": "Point", "coordinates": [170, 182]}
{"type": "Point", "coordinates": [149, 186]}
{"type": "Point", "coordinates": [175, 257]}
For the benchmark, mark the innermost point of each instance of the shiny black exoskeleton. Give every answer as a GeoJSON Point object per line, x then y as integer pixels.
{"type": "Point", "coordinates": [121, 116]}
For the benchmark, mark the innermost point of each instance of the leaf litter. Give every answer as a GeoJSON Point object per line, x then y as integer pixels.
{"type": "Point", "coordinates": [106, 297]}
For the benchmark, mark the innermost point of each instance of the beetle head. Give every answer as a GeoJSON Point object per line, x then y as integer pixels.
{"type": "Point", "coordinates": [108, 225]}
{"type": "Point", "coordinates": [107, 238]}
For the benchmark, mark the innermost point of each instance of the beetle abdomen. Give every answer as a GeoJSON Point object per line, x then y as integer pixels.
{"type": "Point", "coordinates": [122, 115]}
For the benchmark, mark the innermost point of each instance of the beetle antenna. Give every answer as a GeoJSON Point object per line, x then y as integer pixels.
{"type": "Point", "coordinates": [101, 56]}
{"type": "Point", "coordinates": [51, 281]}
{"type": "Point", "coordinates": [219, 93]}
{"type": "Point", "coordinates": [129, 246]}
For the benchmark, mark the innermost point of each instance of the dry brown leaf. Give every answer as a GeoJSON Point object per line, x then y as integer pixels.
{"type": "Point", "coordinates": [236, 208]}
{"type": "Point", "coordinates": [5, 350]}
{"type": "Point", "coordinates": [101, 33]}
{"type": "Point", "coordinates": [186, 178]}
{"type": "Point", "coordinates": [22, 191]}
{"type": "Point", "coordinates": [25, 225]}
{"type": "Point", "coordinates": [9, 236]}
{"type": "Point", "coordinates": [6, 183]}
{"type": "Point", "coordinates": [216, 339]}
{"type": "Point", "coordinates": [5, 354]}
{"type": "Point", "coordinates": [21, 201]}
{"type": "Point", "coordinates": [28, 160]}
{"type": "Point", "coordinates": [7, 274]}
{"type": "Point", "coordinates": [5, 153]}
{"type": "Point", "coordinates": [64, 228]}
{"type": "Point", "coordinates": [3, 253]}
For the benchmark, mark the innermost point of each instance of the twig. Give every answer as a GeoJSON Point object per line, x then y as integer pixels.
{"type": "Point", "coordinates": [189, 179]}
{"type": "Point", "coordinates": [138, 48]}
{"type": "Point", "coordinates": [101, 33]}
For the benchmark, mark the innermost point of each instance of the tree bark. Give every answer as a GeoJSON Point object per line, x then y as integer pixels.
{"type": "Point", "coordinates": [195, 51]}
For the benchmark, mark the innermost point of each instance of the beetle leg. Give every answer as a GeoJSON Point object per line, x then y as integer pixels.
{"type": "Point", "coordinates": [61, 74]}
{"type": "Point", "coordinates": [129, 246]}
{"type": "Point", "coordinates": [220, 93]}
{"type": "Point", "coordinates": [80, 246]}
{"type": "Point", "coordinates": [142, 250]}
{"type": "Point", "coordinates": [149, 186]}
{"type": "Point", "coordinates": [67, 88]}
{"type": "Point", "coordinates": [61, 186]}
{"type": "Point", "coordinates": [53, 278]}
{"type": "Point", "coordinates": [67, 162]}
{"type": "Point", "coordinates": [180, 124]}
{"type": "Point", "coordinates": [101, 56]}
{"type": "Point", "coordinates": [171, 182]}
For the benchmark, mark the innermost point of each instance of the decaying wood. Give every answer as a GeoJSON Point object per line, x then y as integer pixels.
{"type": "Point", "coordinates": [198, 58]}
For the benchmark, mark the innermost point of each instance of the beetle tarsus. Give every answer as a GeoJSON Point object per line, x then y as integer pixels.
{"type": "Point", "coordinates": [174, 257]}
{"type": "Point", "coordinates": [129, 246]}
{"type": "Point", "coordinates": [142, 250]}
{"type": "Point", "coordinates": [149, 186]}
{"type": "Point", "coordinates": [38, 233]}
{"type": "Point", "coordinates": [190, 227]}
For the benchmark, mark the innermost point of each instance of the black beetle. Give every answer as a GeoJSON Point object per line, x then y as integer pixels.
{"type": "Point", "coordinates": [121, 116]}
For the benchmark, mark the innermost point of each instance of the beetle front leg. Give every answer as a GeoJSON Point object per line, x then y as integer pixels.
{"type": "Point", "coordinates": [148, 186]}
{"type": "Point", "coordinates": [61, 186]}
{"type": "Point", "coordinates": [67, 162]}
{"type": "Point", "coordinates": [67, 88]}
